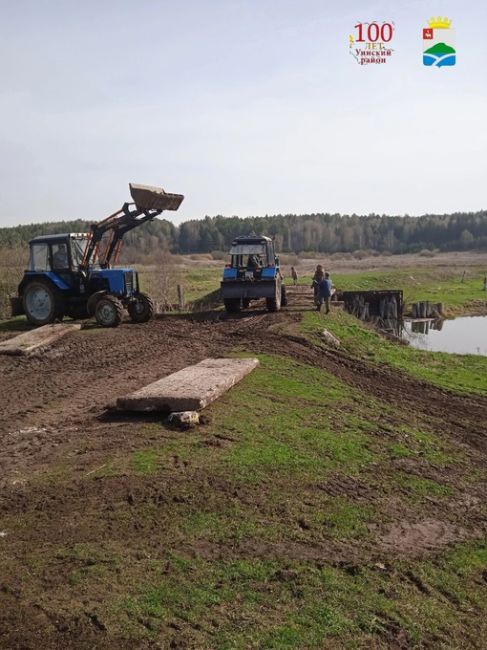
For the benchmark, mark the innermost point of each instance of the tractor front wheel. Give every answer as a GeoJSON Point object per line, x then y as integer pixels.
{"type": "Point", "coordinates": [42, 303]}
{"type": "Point", "coordinates": [108, 311]}
{"type": "Point", "coordinates": [141, 309]}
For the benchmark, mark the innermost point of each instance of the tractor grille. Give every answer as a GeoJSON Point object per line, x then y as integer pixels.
{"type": "Point", "coordinates": [129, 282]}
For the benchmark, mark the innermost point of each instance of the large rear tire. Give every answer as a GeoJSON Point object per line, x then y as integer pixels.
{"type": "Point", "coordinates": [274, 304]}
{"type": "Point", "coordinates": [283, 296]}
{"type": "Point", "coordinates": [42, 302]}
{"type": "Point", "coordinates": [108, 311]}
{"type": "Point", "coordinates": [232, 305]}
{"type": "Point", "coordinates": [141, 309]}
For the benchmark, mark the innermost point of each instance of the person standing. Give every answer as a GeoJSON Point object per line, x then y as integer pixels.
{"type": "Point", "coordinates": [317, 278]}
{"type": "Point", "coordinates": [294, 275]}
{"type": "Point", "coordinates": [325, 290]}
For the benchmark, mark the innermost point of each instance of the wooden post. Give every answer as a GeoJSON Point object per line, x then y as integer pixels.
{"type": "Point", "coordinates": [485, 283]}
{"type": "Point", "coordinates": [181, 296]}
{"type": "Point", "coordinates": [463, 276]}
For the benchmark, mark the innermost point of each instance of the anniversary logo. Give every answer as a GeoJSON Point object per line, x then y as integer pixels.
{"type": "Point", "coordinates": [371, 42]}
{"type": "Point", "coordinates": [438, 43]}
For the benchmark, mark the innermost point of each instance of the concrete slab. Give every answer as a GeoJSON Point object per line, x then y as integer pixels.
{"type": "Point", "coordinates": [37, 339]}
{"type": "Point", "coordinates": [190, 389]}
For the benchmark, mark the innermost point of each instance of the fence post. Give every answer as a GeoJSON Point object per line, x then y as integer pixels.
{"type": "Point", "coordinates": [181, 302]}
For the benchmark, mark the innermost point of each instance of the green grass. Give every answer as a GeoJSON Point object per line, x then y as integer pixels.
{"type": "Point", "coordinates": [291, 430]}
{"type": "Point", "coordinates": [420, 487]}
{"type": "Point", "coordinates": [463, 373]}
{"type": "Point", "coordinates": [259, 603]}
{"type": "Point", "coordinates": [201, 281]}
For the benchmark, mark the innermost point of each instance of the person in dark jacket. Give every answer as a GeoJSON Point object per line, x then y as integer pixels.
{"type": "Point", "coordinates": [324, 293]}
{"type": "Point", "coordinates": [317, 278]}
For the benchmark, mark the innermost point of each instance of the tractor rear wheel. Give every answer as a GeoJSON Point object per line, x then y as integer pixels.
{"type": "Point", "coordinates": [108, 311]}
{"type": "Point", "coordinates": [283, 296]}
{"type": "Point", "coordinates": [42, 302]}
{"type": "Point", "coordinates": [232, 305]}
{"type": "Point", "coordinates": [274, 304]}
{"type": "Point", "coordinates": [141, 309]}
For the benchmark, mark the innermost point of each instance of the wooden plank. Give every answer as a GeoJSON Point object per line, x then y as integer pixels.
{"type": "Point", "coordinates": [190, 389]}
{"type": "Point", "coordinates": [37, 339]}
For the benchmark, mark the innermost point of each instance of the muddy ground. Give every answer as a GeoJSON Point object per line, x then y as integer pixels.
{"type": "Point", "coordinates": [54, 407]}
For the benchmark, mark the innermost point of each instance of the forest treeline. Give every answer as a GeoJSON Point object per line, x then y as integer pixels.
{"type": "Point", "coordinates": [323, 233]}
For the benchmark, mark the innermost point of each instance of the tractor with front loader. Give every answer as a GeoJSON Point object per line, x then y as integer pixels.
{"type": "Point", "coordinates": [252, 274]}
{"type": "Point", "coordinates": [74, 274]}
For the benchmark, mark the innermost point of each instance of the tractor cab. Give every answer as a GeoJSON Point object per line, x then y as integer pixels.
{"type": "Point", "coordinates": [60, 254]}
{"type": "Point", "coordinates": [251, 258]}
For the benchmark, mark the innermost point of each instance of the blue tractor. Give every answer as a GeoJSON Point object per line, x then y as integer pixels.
{"type": "Point", "coordinates": [253, 274]}
{"type": "Point", "coordinates": [73, 274]}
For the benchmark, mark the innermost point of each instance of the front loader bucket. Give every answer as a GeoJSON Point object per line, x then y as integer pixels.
{"type": "Point", "coordinates": [154, 198]}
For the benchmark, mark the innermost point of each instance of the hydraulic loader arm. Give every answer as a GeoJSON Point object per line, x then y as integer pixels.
{"type": "Point", "coordinates": [148, 203]}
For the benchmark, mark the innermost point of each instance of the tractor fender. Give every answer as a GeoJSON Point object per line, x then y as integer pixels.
{"type": "Point", "coordinates": [29, 276]}
{"type": "Point", "coordinates": [93, 299]}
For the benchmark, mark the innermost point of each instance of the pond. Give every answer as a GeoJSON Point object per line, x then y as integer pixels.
{"type": "Point", "coordinates": [466, 335]}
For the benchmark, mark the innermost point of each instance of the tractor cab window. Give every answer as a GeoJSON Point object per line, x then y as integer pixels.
{"type": "Point", "coordinates": [60, 260]}
{"type": "Point", "coordinates": [78, 246]}
{"type": "Point", "coordinates": [249, 256]}
{"type": "Point", "coordinates": [39, 257]}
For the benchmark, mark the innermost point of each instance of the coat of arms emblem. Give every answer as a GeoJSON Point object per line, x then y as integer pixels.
{"type": "Point", "coordinates": [438, 43]}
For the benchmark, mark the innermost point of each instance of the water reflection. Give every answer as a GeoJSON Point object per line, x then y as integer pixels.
{"type": "Point", "coordinates": [424, 326]}
{"type": "Point", "coordinates": [466, 335]}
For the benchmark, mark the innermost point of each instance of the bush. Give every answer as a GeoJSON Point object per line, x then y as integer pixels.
{"type": "Point", "coordinates": [289, 259]}
{"type": "Point", "coordinates": [426, 252]}
{"type": "Point", "coordinates": [198, 257]}
{"type": "Point", "coordinates": [13, 262]}
{"type": "Point", "coordinates": [360, 254]}
{"type": "Point", "coordinates": [341, 256]}
{"type": "Point", "coordinates": [219, 255]}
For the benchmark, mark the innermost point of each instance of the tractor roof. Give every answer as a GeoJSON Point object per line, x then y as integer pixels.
{"type": "Point", "coordinates": [57, 236]}
{"type": "Point", "coordinates": [251, 239]}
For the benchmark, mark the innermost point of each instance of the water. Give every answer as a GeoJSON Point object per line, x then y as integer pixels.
{"type": "Point", "coordinates": [466, 335]}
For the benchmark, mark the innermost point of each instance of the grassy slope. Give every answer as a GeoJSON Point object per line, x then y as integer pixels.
{"type": "Point", "coordinates": [222, 561]}
{"type": "Point", "coordinates": [464, 373]}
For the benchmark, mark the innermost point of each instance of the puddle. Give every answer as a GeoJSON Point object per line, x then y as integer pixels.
{"type": "Point", "coordinates": [466, 335]}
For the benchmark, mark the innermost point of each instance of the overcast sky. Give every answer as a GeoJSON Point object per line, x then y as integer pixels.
{"type": "Point", "coordinates": [246, 107]}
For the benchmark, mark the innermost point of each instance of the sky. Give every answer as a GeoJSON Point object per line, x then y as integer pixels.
{"type": "Point", "coordinates": [247, 107]}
